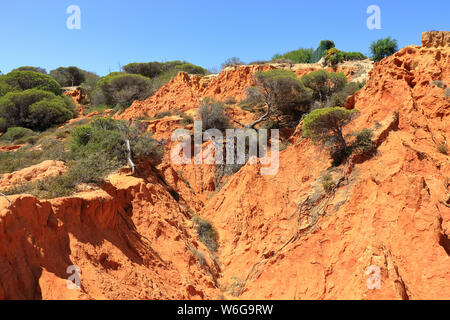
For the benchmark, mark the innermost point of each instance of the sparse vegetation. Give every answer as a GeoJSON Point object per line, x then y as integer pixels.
{"type": "Point", "coordinates": [442, 148]}
{"type": "Point", "coordinates": [327, 182]}
{"type": "Point", "coordinates": [93, 151]}
{"type": "Point", "coordinates": [15, 133]}
{"type": "Point", "coordinates": [230, 62]}
{"type": "Point", "coordinates": [213, 116]}
{"type": "Point", "coordinates": [206, 233]}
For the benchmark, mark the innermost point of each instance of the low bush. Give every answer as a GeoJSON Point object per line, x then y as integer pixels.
{"type": "Point", "coordinates": [15, 133]}
{"type": "Point", "coordinates": [234, 61]}
{"type": "Point", "coordinates": [301, 55]}
{"type": "Point", "coordinates": [35, 109]}
{"type": "Point", "coordinates": [206, 233]}
{"type": "Point", "coordinates": [442, 148]}
{"type": "Point", "coordinates": [122, 89]}
{"type": "Point", "coordinates": [327, 182]}
{"type": "Point", "coordinates": [363, 142]}
{"type": "Point", "coordinates": [213, 116]}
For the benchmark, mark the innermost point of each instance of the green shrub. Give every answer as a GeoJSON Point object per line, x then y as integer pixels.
{"type": "Point", "coordinates": [206, 233]}
{"type": "Point", "coordinates": [163, 70]}
{"type": "Point", "coordinates": [339, 99]}
{"type": "Point", "coordinates": [383, 48]}
{"type": "Point", "coordinates": [186, 119]}
{"type": "Point", "coordinates": [48, 112]}
{"type": "Point", "coordinates": [213, 116]}
{"type": "Point", "coordinates": [148, 69]}
{"type": "Point", "coordinates": [327, 182]}
{"type": "Point", "coordinates": [121, 88]}
{"type": "Point", "coordinates": [15, 133]}
{"type": "Point", "coordinates": [285, 94]}
{"type": "Point", "coordinates": [364, 143]}
{"type": "Point", "coordinates": [301, 55]}
{"type": "Point", "coordinates": [3, 125]}
{"type": "Point", "coordinates": [107, 136]}
{"type": "Point", "coordinates": [24, 80]}
{"type": "Point", "coordinates": [325, 126]}
{"type": "Point", "coordinates": [442, 148]}
{"type": "Point", "coordinates": [324, 84]}
{"type": "Point", "coordinates": [35, 109]}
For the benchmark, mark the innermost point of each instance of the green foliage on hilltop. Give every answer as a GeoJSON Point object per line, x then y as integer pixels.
{"type": "Point", "coordinates": [383, 48]}
{"type": "Point", "coordinates": [24, 80]}
{"type": "Point", "coordinates": [300, 55]}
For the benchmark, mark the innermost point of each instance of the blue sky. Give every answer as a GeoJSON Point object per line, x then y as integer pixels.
{"type": "Point", "coordinates": [204, 32]}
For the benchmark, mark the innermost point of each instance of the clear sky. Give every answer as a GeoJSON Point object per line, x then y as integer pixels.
{"type": "Point", "coordinates": [204, 32]}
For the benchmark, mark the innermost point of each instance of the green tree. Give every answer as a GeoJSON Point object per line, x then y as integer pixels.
{"type": "Point", "coordinates": [383, 48]}
{"type": "Point", "coordinates": [284, 94]}
{"type": "Point", "coordinates": [69, 77]}
{"type": "Point", "coordinates": [34, 109]}
{"type": "Point", "coordinates": [324, 46]}
{"type": "Point", "coordinates": [325, 126]}
{"type": "Point", "coordinates": [121, 89]}
{"type": "Point", "coordinates": [324, 84]}
{"type": "Point", "coordinates": [24, 80]}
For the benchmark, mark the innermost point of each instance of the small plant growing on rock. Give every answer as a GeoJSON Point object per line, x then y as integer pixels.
{"type": "Point", "coordinates": [327, 182]}
{"type": "Point", "coordinates": [213, 116]}
{"type": "Point", "coordinates": [206, 233]}
{"type": "Point", "coordinates": [442, 148]}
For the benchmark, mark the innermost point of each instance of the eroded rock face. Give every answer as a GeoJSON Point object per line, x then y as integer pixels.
{"type": "Point", "coordinates": [284, 237]}
{"type": "Point", "coordinates": [132, 242]}
{"type": "Point", "coordinates": [436, 39]}
{"type": "Point", "coordinates": [34, 173]}
{"type": "Point", "coordinates": [184, 92]}
{"type": "Point", "coordinates": [281, 236]}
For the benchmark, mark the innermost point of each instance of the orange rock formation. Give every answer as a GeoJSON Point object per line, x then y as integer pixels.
{"type": "Point", "coordinates": [280, 237]}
